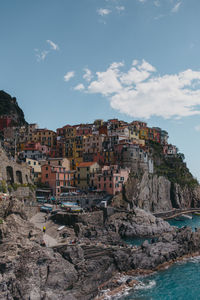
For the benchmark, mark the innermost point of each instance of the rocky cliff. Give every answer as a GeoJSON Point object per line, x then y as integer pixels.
{"type": "Point", "coordinates": [156, 194]}
{"type": "Point", "coordinates": [170, 186]}
{"type": "Point", "coordinates": [9, 106]}
{"type": "Point", "coordinates": [29, 271]}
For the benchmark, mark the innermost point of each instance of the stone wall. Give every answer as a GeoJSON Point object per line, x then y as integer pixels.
{"type": "Point", "coordinates": [70, 219]}
{"type": "Point", "coordinates": [13, 172]}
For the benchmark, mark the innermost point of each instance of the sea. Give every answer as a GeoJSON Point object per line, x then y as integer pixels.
{"type": "Point", "coordinates": [181, 281]}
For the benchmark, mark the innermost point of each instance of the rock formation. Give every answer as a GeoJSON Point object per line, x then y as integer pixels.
{"type": "Point", "coordinates": [29, 271]}
{"type": "Point", "coordinates": [156, 194]}
{"type": "Point", "coordinates": [9, 107]}
{"type": "Point", "coordinates": [138, 223]}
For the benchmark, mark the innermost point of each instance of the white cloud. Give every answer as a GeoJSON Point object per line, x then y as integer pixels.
{"type": "Point", "coordinates": [141, 92]}
{"type": "Point", "coordinates": [53, 45]}
{"type": "Point", "coordinates": [142, 1]}
{"type": "Point", "coordinates": [88, 75]}
{"type": "Point", "coordinates": [120, 8]}
{"type": "Point", "coordinates": [176, 7]}
{"type": "Point", "coordinates": [157, 3]}
{"type": "Point", "coordinates": [79, 87]}
{"type": "Point", "coordinates": [107, 82]}
{"type": "Point", "coordinates": [69, 75]}
{"type": "Point", "coordinates": [103, 11]}
{"type": "Point", "coordinates": [41, 55]}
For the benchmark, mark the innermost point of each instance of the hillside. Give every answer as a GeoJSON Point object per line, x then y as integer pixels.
{"type": "Point", "coordinates": [170, 186]}
{"type": "Point", "coordinates": [9, 106]}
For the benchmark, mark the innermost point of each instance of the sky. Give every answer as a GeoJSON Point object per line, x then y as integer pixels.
{"type": "Point", "coordinates": [74, 61]}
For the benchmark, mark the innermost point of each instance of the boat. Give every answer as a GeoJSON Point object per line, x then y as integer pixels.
{"type": "Point", "coordinates": [187, 216]}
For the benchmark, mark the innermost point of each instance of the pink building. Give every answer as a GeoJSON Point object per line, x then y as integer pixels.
{"type": "Point", "coordinates": [111, 179]}
{"type": "Point", "coordinates": [57, 177]}
{"type": "Point", "coordinates": [169, 149]}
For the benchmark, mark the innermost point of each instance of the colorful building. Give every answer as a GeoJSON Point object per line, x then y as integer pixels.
{"type": "Point", "coordinates": [84, 172]}
{"type": "Point", "coordinates": [111, 179]}
{"type": "Point", "coordinates": [93, 143]}
{"type": "Point", "coordinates": [35, 169]}
{"type": "Point", "coordinates": [43, 136]}
{"type": "Point", "coordinates": [57, 177]}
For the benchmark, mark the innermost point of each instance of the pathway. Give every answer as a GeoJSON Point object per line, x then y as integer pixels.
{"type": "Point", "coordinates": [175, 212]}
{"type": "Point", "coordinates": [39, 221]}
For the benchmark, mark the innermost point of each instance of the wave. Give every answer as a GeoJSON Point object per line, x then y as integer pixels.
{"type": "Point", "coordinates": [145, 285]}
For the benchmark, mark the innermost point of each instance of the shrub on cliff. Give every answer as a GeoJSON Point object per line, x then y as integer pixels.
{"type": "Point", "coordinates": [172, 167]}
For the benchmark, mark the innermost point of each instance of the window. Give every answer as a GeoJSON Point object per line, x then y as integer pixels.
{"type": "Point", "coordinates": [110, 185]}
{"type": "Point", "coordinates": [47, 168]}
{"type": "Point", "coordinates": [46, 175]}
{"type": "Point", "coordinates": [104, 178]}
{"type": "Point", "coordinates": [34, 163]}
{"type": "Point", "coordinates": [88, 169]}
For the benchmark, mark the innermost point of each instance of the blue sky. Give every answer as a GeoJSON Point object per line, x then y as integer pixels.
{"type": "Point", "coordinates": [73, 61]}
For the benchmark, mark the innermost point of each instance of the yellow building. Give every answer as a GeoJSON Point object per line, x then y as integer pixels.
{"type": "Point", "coordinates": [144, 133]}
{"type": "Point", "coordinates": [84, 172]}
{"type": "Point", "coordinates": [35, 169]}
{"type": "Point", "coordinates": [134, 134]}
{"type": "Point", "coordinates": [43, 136]}
{"type": "Point", "coordinates": [74, 150]}
{"type": "Point", "coordinates": [70, 131]}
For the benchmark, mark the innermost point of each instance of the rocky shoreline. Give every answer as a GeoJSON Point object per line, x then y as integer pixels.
{"type": "Point", "coordinates": [99, 256]}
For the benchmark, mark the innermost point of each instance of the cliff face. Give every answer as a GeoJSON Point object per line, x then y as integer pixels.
{"type": "Point", "coordinates": [9, 106]}
{"type": "Point", "coordinates": [156, 194]}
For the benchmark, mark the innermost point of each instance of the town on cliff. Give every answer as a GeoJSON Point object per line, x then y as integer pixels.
{"type": "Point", "coordinates": [70, 199]}
{"type": "Point", "coordinates": [88, 157]}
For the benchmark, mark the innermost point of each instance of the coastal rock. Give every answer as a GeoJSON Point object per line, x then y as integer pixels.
{"type": "Point", "coordinates": [156, 194]}
{"type": "Point", "coordinates": [138, 223]}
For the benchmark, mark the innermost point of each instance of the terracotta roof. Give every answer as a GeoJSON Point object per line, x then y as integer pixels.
{"type": "Point", "coordinates": [86, 164]}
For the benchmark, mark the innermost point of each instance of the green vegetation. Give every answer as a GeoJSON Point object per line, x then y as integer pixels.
{"type": "Point", "coordinates": [15, 186]}
{"type": "Point", "coordinates": [172, 167]}
{"type": "Point", "coordinates": [3, 186]}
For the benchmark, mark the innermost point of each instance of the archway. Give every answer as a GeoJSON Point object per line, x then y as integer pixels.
{"type": "Point", "coordinates": [10, 178]}
{"type": "Point", "coordinates": [19, 177]}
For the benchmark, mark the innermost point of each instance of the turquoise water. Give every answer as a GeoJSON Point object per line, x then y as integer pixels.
{"type": "Point", "coordinates": [193, 223]}
{"type": "Point", "coordinates": [180, 281]}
